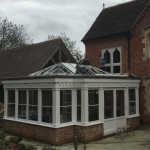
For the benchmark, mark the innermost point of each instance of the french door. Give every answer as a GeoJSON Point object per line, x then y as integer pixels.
{"type": "Point", "coordinates": [114, 110]}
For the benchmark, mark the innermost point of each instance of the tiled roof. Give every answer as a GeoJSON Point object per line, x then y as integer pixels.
{"type": "Point", "coordinates": [29, 59]}
{"type": "Point", "coordinates": [116, 20]}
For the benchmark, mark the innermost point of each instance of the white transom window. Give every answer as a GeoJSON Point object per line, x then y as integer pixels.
{"type": "Point", "coordinates": [112, 60]}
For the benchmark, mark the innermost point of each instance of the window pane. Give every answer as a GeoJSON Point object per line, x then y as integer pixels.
{"type": "Point", "coordinates": [132, 102]}
{"type": "Point", "coordinates": [65, 97]}
{"type": "Point", "coordinates": [65, 114]}
{"type": "Point", "coordinates": [79, 105]}
{"type": "Point", "coordinates": [93, 113]}
{"type": "Point", "coordinates": [120, 102]}
{"type": "Point", "coordinates": [33, 113]}
{"type": "Point", "coordinates": [116, 69]}
{"type": "Point", "coordinates": [79, 113]}
{"type": "Point", "coordinates": [33, 97]}
{"type": "Point", "coordinates": [47, 98]}
{"type": "Point", "coordinates": [11, 110]}
{"type": "Point", "coordinates": [22, 111]}
{"type": "Point", "coordinates": [107, 69]}
{"type": "Point", "coordinates": [47, 114]}
{"type": "Point", "coordinates": [108, 104]}
{"type": "Point", "coordinates": [11, 96]}
{"type": "Point", "coordinates": [107, 57]}
{"type": "Point", "coordinates": [93, 97]}
{"type": "Point", "coordinates": [116, 56]}
{"type": "Point", "coordinates": [78, 97]}
{"type": "Point", "coordinates": [22, 97]}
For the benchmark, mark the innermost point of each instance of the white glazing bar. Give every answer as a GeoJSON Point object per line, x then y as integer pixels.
{"type": "Point", "coordinates": [84, 105]}
{"type": "Point", "coordinates": [39, 105]}
{"type": "Point", "coordinates": [56, 107]}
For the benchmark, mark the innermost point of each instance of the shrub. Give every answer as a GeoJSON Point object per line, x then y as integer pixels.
{"type": "Point", "coordinates": [15, 140]}
{"type": "Point", "coordinates": [31, 147]}
{"type": "Point", "coordinates": [2, 136]}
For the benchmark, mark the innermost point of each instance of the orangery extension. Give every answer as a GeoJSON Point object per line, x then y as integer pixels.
{"type": "Point", "coordinates": [66, 100]}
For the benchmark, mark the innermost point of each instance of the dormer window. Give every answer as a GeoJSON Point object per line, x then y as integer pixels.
{"type": "Point", "coordinates": [112, 60]}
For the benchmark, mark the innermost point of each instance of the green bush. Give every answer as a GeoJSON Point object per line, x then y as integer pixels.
{"type": "Point", "coordinates": [2, 136]}
{"type": "Point", "coordinates": [15, 140]}
{"type": "Point", "coordinates": [31, 147]}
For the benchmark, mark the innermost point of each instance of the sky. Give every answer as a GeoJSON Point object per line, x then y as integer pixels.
{"type": "Point", "coordinates": [53, 17]}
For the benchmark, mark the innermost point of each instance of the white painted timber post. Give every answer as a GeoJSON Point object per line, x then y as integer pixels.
{"type": "Point", "coordinates": [39, 105]}
{"type": "Point", "coordinates": [84, 105]}
{"type": "Point", "coordinates": [56, 107]}
{"type": "Point", "coordinates": [101, 104]}
{"type": "Point", "coordinates": [126, 102]}
{"type": "Point", "coordinates": [5, 102]}
{"type": "Point", "coordinates": [74, 105]}
{"type": "Point", "coordinates": [137, 100]}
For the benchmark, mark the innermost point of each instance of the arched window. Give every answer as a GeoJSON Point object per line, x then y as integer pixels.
{"type": "Point", "coordinates": [107, 57]}
{"type": "Point", "coordinates": [116, 56]}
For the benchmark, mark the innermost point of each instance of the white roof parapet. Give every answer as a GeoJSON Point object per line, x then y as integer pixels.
{"type": "Point", "coordinates": [71, 69]}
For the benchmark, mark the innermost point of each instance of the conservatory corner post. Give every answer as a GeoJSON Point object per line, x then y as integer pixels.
{"type": "Point", "coordinates": [56, 107]}
{"type": "Point", "coordinates": [101, 104]}
{"type": "Point", "coordinates": [39, 105]}
{"type": "Point", "coordinates": [137, 100]}
{"type": "Point", "coordinates": [16, 103]}
{"type": "Point", "coordinates": [5, 102]}
{"type": "Point", "coordinates": [74, 105]}
{"type": "Point", "coordinates": [84, 105]}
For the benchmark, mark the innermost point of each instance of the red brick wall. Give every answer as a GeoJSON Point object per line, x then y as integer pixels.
{"type": "Point", "coordinates": [139, 67]}
{"type": "Point", "coordinates": [134, 122]}
{"type": "Point", "coordinates": [54, 136]}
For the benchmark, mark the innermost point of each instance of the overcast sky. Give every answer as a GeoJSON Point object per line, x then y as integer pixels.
{"type": "Point", "coordinates": [53, 17]}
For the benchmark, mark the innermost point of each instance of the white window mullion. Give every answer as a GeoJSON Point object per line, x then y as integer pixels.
{"type": "Point", "coordinates": [16, 103]}
{"type": "Point", "coordinates": [74, 105]}
{"type": "Point", "coordinates": [39, 105]}
{"type": "Point", "coordinates": [126, 102]}
{"type": "Point", "coordinates": [101, 105]}
{"type": "Point", "coordinates": [56, 107]}
{"type": "Point", "coordinates": [84, 105]}
{"type": "Point", "coordinates": [5, 102]}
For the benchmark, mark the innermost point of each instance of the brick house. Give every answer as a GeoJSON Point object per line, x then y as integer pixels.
{"type": "Point", "coordinates": [119, 42]}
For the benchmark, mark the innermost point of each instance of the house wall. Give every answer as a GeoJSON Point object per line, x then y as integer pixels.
{"type": "Point", "coordinates": [140, 64]}
{"type": "Point", "coordinates": [93, 50]}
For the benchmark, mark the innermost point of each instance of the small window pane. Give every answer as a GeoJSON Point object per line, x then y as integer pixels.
{"type": "Point", "coordinates": [107, 69]}
{"type": "Point", "coordinates": [107, 57]}
{"type": "Point", "coordinates": [93, 113]}
{"type": "Point", "coordinates": [11, 110]}
{"type": "Point", "coordinates": [33, 113]}
{"type": "Point", "coordinates": [108, 104]}
{"type": "Point", "coordinates": [22, 96]}
{"type": "Point", "coordinates": [79, 105]}
{"type": "Point", "coordinates": [132, 102]}
{"type": "Point", "coordinates": [65, 97]}
{"type": "Point", "coordinates": [120, 103]}
{"type": "Point", "coordinates": [93, 97]}
{"type": "Point", "coordinates": [22, 111]}
{"type": "Point", "coordinates": [33, 97]}
{"type": "Point", "coordinates": [65, 114]}
{"type": "Point", "coordinates": [116, 69]}
{"type": "Point", "coordinates": [47, 98]}
{"type": "Point", "coordinates": [11, 96]}
{"type": "Point", "coordinates": [47, 114]}
{"type": "Point", "coordinates": [116, 56]}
